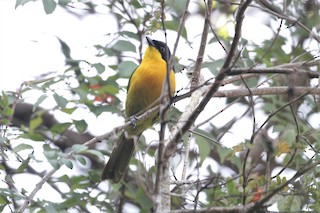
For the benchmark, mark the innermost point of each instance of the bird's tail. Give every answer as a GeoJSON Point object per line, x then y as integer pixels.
{"type": "Point", "coordinates": [119, 159]}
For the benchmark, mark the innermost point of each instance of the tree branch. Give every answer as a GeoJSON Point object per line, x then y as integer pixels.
{"type": "Point", "coordinates": [214, 209]}
{"type": "Point", "coordinates": [36, 189]}
{"type": "Point", "coordinates": [203, 44]}
{"type": "Point", "coordinates": [171, 146]}
{"type": "Point", "coordinates": [288, 69]}
{"type": "Point", "coordinates": [266, 91]}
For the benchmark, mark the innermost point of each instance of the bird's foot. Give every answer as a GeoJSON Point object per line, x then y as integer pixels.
{"type": "Point", "coordinates": [134, 121]}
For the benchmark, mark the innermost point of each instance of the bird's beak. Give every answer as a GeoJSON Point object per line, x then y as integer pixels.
{"type": "Point", "coordinates": [150, 41]}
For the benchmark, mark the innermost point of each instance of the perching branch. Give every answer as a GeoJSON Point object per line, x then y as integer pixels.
{"type": "Point", "coordinates": [116, 130]}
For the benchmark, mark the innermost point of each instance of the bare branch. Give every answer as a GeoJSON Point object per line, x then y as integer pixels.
{"type": "Point", "coordinates": [203, 44]}
{"type": "Point", "coordinates": [36, 189]}
{"type": "Point", "coordinates": [274, 70]}
{"type": "Point", "coordinates": [141, 117]}
{"type": "Point", "coordinates": [266, 91]}
{"type": "Point", "coordinates": [214, 209]}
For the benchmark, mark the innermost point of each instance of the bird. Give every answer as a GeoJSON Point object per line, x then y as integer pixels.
{"type": "Point", "coordinates": [143, 92]}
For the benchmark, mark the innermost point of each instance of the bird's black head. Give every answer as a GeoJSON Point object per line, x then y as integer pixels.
{"type": "Point", "coordinates": [162, 47]}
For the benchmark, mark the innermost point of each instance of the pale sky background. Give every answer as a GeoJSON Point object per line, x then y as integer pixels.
{"type": "Point", "coordinates": [29, 48]}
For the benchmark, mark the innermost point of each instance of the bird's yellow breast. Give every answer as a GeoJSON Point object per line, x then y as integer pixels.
{"type": "Point", "coordinates": [145, 86]}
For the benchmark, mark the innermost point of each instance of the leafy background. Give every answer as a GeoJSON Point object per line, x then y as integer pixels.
{"type": "Point", "coordinates": [45, 122]}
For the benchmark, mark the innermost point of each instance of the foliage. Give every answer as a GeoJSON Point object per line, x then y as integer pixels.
{"type": "Point", "coordinates": [218, 172]}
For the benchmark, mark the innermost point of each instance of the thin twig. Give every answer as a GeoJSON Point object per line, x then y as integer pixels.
{"type": "Point", "coordinates": [281, 90]}
{"type": "Point", "coordinates": [203, 44]}
{"type": "Point", "coordinates": [246, 174]}
{"type": "Point", "coordinates": [36, 189]}
{"type": "Point", "coordinates": [141, 117]}
{"type": "Point", "coordinates": [273, 70]}
{"type": "Point", "coordinates": [267, 7]}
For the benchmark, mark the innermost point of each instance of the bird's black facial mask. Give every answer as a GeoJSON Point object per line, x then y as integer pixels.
{"type": "Point", "coordinates": [162, 47]}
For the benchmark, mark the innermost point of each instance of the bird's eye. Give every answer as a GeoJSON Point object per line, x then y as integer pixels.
{"type": "Point", "coordinates": [163, 49]}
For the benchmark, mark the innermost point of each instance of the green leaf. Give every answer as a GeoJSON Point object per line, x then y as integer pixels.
{"type": "Point", "coordinates": [95, 153]}
{"type": "Point", "coordinates": [81, 160]}
{"type": "Point", "coordinates": [213, 66]}
{"type": "Point", "coordinates": [82, 91]}
{"type": "Point", "coordinates": [64, 2]}
{"type": "Point", "coordinates": [289, 136]}
{"type": "Point", "coordinates": [107, 51]}
{"type": "Point", "coordinates": [130, 35]}
{"type": "Point", "coordinates": [54, 163]}
{"type": "Point", "coordinates": [110, 89]}
{"type": "Point", "coordinates": [142, 199]}
{"type": "Point", "coordinates": [79, 148]}
{"type": "Point", "coordinates": [50, 208]}
{"type": "Point", "coordinates": [3, 200]}
{"type": "Point", "coordinates": [39, 101]}
{"type": "Point", "coordinates": [68, 163]}
{"type": "Point", "coordinates": [204, 148]}
{"type": "Point", "coordinates": [4, 99]}
{"type": "Point", "coordinates": [23, 165]}
{"type": "Point", "coordinates": [174, 25]}
{"type": "Point", "coordinates": [32, 136]}
{"type": "Point", "coordinates": [79, 182]}
{"type": "Point", "coordinates": [97, 110]}
{"type": "Point", "coordinates": [99, 67]}
{"type": "Point", "coordinates": [224, 153]}
{"type": "Point", "coordinates": [231, 186]}
{"type": "Point", "coordinates": [122, 45]}
{"type": "Point", "coordinates": [3, 140]}
{"type": "Point", "coordinates": [65, 49]}
{"type": "Point", "coordinates": [68, 110]}
{"type": "Point", "coordinates": [178, 6]}
{"type": "Point", "coordinates": [35, 122]}
{"type": "Point", "coordinates": [95, 176]}
{"type": "Point", "coordinates": [81, 125]}
{"type": "Point", "coordinates": [60, 100]}
{"type": "Point", "coordinates": [51, 152]}
{"type": "Point", "coordinates": [60, 127]}
{"type": "Point", "coordinates": [52, 155]}
{"type": "Point", "coordinates": [7, 111]}
{"type": "Point", "coordinates": [49, 6]}
{"type": "Point", "coordinates": [136, 4]}
{"type": "Point", "coordinates": [289, 204]}
{"type": "Point", "coordinates": [5, 121]}
{"type": "Point", "coordinates": [126, 68]}
{"type": "Point", "coordinates": [22, 2]}
{"type": "Point", "coordinates": [21, 147]}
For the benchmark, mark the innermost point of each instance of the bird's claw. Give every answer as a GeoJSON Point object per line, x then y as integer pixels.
{"type": "Point", "coordinates": [133, 120]}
